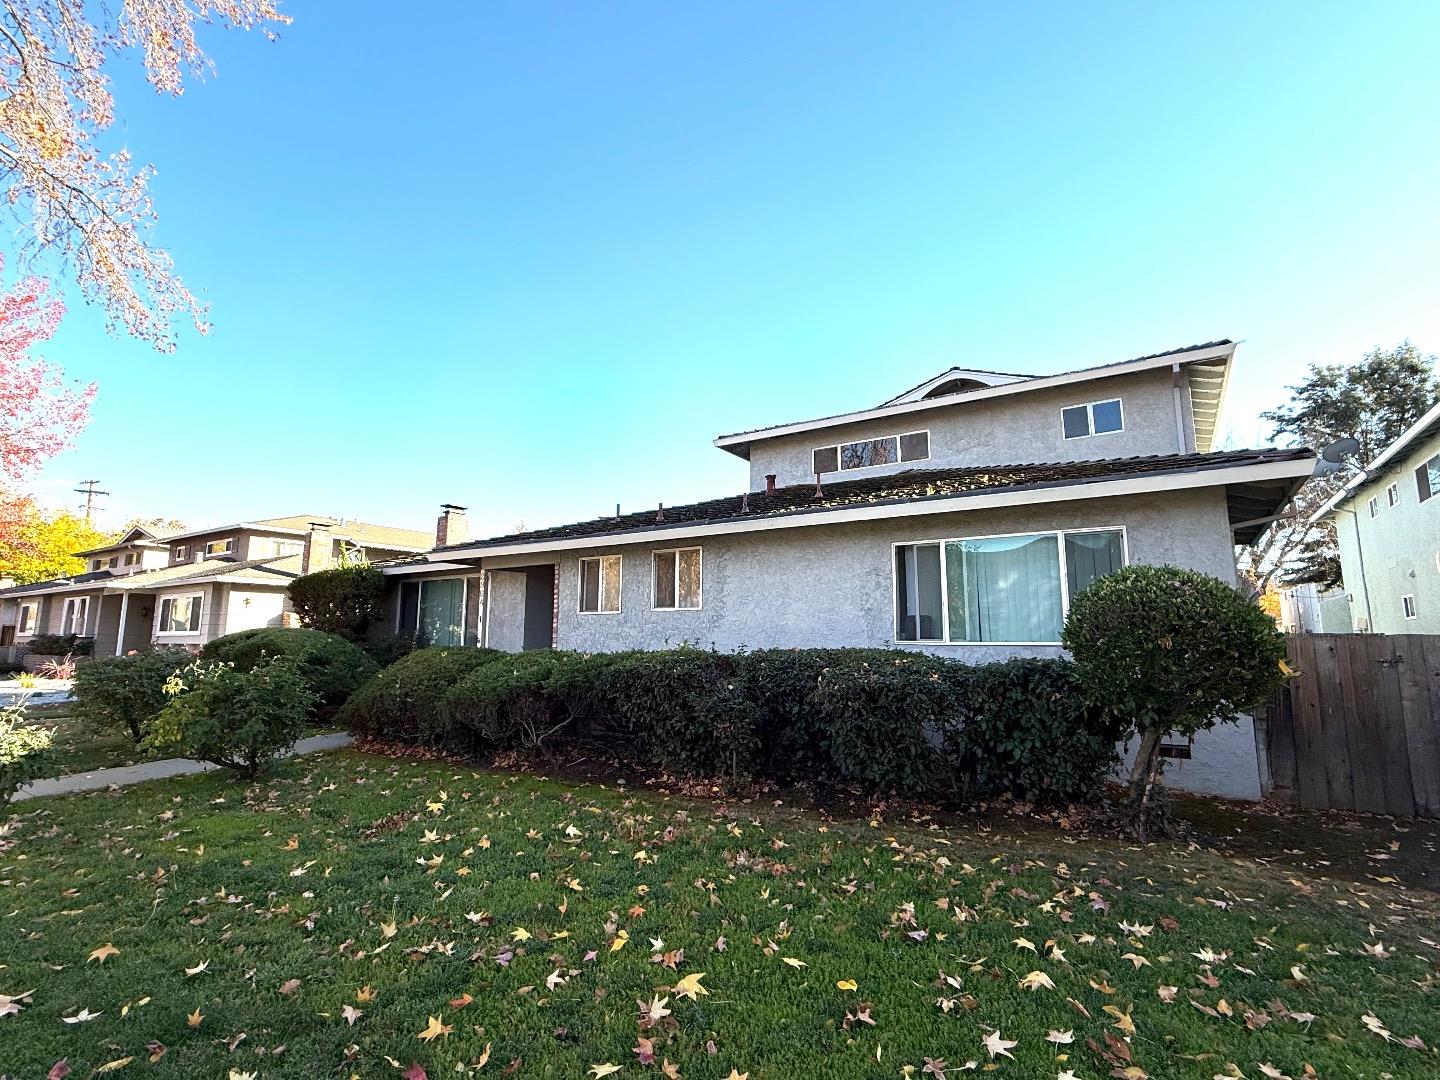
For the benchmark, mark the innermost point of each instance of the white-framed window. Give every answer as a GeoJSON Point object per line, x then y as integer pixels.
{"type": "Point", "coordinates": [26, 623]}
{"type": "Point", "coordinates": [1092, 418]}
{"type": "Point", "coordinates": [867, 453]}
{"type": "Point", "coordinates": [282, 548]}
{"type": "Point", "coordinates": [75, 615]}
{"type": "Point", "coordinates": [180, 614]}
{"type": "Point", "coordinates": [131, 558]}
{"type": "Point", "coordinates": [181, 552]}
{"type": "Point", "coordinates": [1392, 495]}
{"type": "Point", "coordinates": [1374, 506]}
{"type": "Point", "coordinates": [676, 579]}
{"type": "Point", "coordinates": [220, 547]}
{"type": "Point", "coordinates": [1427, 479]}
{"type": "Point", "coordinates": [1407, 607]}
{"type": "Point", "coordinates": [1013, 589]}
{"type": "Point", "coordinates": [599, 585]}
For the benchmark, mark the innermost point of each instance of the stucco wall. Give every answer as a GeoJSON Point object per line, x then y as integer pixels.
{"type": "Point", "coordinates": [1400, 547]}
{"type": "Point", "coordinates": [831, 585]}
{"type": "Point", "coordinates": [1022, 428]}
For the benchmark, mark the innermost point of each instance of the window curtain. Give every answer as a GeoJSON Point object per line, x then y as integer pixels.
{"type": "Point", "coordinates": [1004, 589]}
{"type": "Point", "coordinates": [442, 612]}
{"type": "Point", "coordinates": [1091, 555]}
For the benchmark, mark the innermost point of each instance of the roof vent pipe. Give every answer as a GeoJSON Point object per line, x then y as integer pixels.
{"type": "Point", "coordinates": [745, 503]}
{"type": "Point", "coordinates": [660, 514]}
{"type": "Point", "coordinates": [819, 491]}
{"type": "Point", "coordinates": [770, 483]}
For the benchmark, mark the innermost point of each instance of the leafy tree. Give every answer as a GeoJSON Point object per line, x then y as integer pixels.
{"type": "Point", "coordinates": [1172, 650]}
{"type": "Point", "coordinates": [342, 600]}
{"type": "Point", "coordinates": [1373, 401]}
{"type": "Point", "coordinates": [40, 548]}
{"type": "Point", "coordinates": [91, 209]}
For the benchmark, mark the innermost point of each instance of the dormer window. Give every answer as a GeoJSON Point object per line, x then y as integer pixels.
{"type": "Point", "coordinates": [181, 552]}
{"type": "Point", "coordinates": [867, 453]}
{"type": "Point", "coordinates": [220, 547]}
{"type": "Point", "coordinates": [1092, 418]}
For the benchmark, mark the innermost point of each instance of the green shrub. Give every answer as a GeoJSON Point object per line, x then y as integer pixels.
{"type": "Point", "coordinates": [880, 721]}
{"type": "Point", "coordinates": [333, 667]}
{"type": "Point", "coordinates": [125, 692]}
{"type": "Point", "coordinates": [389, 648]}
{"type": "Point", "coordinates": [520, 701]}
{"type": "Point", "coordinates": [1170, 650]}
{"type": "Point", "coordinates": [242, 720]}
{"type": "Point", "coordinates": [405, 701]}
{"type": "Point", "coordinates": [681, 709]}
{"type": "Point", "coordinates": [343, 600]}
{"type": "Point", "coordinates": [1025, 728]}
{"type": "Point", "coordinates": [26, 752]}
{"type": "Point", "coordinates": [60, 645]}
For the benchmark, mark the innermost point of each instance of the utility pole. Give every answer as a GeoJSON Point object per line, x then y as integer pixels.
{"type": "Point", "coordinates": [89, 490]}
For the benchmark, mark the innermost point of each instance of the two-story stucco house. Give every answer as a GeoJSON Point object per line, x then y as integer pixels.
{"type": "Point", "coordinates": [956, 518]}
{"type": "Point", "coordinates": [1387, 522]}
{"type": "Point", "coordinates": [189, 587]}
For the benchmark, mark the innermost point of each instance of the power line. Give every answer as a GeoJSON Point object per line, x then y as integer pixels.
{"type": "Point", "coordinates": [89, 489]}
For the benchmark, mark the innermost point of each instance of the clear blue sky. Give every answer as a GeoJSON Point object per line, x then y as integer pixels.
{"type": "Point", "coordinates": [531, 257]}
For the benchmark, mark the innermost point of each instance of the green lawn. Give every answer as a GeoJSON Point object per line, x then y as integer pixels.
{"type": "Point", "coordinates": [312, 927]}
{"type": "Point", "coordinates": [81, 746]}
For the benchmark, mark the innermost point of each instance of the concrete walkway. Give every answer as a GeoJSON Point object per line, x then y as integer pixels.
{"type": "Point", "coordinates": [156, 770]}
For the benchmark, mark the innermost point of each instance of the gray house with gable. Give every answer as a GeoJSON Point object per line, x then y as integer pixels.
{"type": "Point", "coordinates": [956, 518]}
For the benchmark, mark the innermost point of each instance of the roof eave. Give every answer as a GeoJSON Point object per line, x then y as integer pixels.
{"type": "Point", "coordinates": [1295, 469]}
{"type": "Point", "coordinates": [739, 443]}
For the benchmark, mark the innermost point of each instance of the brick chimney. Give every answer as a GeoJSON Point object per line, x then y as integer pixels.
{"type": "Point", "coordinates": [451, 526]}
{"type": "Point", "coordinates": [319, 548]}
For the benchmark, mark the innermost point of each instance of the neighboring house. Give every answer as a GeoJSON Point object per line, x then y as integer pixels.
{"type": "Point", "coordinates": [187, 588]}
{"type": "Point", "coordinates": [1309, 609]}
{"type": "Point", "coordinates": [957, 518]}
{"type": "Point", "coordinates": [1387, 521]}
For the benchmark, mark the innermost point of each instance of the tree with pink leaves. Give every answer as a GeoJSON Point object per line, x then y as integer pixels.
{"type": "Point", "coordinates": [39, 412]}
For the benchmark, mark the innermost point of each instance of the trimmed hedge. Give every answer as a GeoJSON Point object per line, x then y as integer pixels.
{"type": "Point", "coordinates": [125, 693]}
{"type": "Point", "coordinates": [60, 645]}
{"type": "Point", "coordinates": [406, 701]}
{"type": "Point", "coordinates": [332, 667]}
{"type": "Point", "coordinates": [342, 600]}
{"type": "Point", "coordinates": [877, 719]}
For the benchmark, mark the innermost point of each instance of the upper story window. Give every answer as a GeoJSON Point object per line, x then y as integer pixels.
{"type": "Point", "coordinates": [220, 547]}
{"type": "Point", "coordinates": [677, 580]}
{"type": "Point", "coordinates": [180, 614]}
{"type": "Point", "coordinates": [1012, 589]}
{"type": "Point", "coordinates": [180, 552]}
{"type": "Point", "coordinates": [131, 558]}
{"type": "Point", "coordinates": [1427, 479]}
{"type": "Point", "coordinates": [1407, 607]}
{"type": "Point", "coordinates": [866, 453]}
{"type": "Point", "coordinates": [1092, 418]}
{"type": "Point", "coordinates": [97, 564]}
{"type": "Point", "coordinates": [1392, 495]}
{"type": "Point", "coordinates": [600, 585]}
{"type": "Point", "coordinates": [288, 547]}
{"type": "Point", "coordinates": [1373, 506]}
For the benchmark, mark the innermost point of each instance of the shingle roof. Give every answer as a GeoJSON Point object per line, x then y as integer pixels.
{"type": "Point", "coordinates": [285, 567]}
{"type": "Point", "coordinates": [911, 485]}
{"type": "Point", "coordinates": [1024, 379]}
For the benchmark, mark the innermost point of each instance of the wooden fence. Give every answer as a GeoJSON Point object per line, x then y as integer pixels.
{"type": "Point", "coordinates": [1358, 728]}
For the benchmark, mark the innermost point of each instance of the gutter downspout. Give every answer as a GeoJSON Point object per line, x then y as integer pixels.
{"type": "Point", "coordinates": [1360, 558]}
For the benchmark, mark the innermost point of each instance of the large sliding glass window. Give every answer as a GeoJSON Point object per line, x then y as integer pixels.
{"type": "Point", "coordinates": [998, 589]}
{"type": "Point", "coordinates": [442, 612]}
{"type": "Point", "coordinates": [434, 611]}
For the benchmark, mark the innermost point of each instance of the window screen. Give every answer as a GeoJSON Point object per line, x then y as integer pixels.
{"type": "Point", "coordinates": [1106, 416]}
{"type": "Point", "coordinates": [600, 584]}
{"type": "Point", "coordinates": [827, 459]}
{"type": "Point", "coordinates": [1076, 420]}
{"type": "Point", "coordinates": [677, 579]}
{"type": "Point", "coordinates": [1427, 479]}
{"type": "Point", "coordinates": [1091, 555]}
{"type": "Point", "coordinates": [915, 446]}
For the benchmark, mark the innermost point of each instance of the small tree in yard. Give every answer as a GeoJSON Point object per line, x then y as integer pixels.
{"type": "Point", "coordinates": [1172, 650]}
{"type": "Point", "coordinates": [342, 600]}
{"type": "Point", "coordinates": [242, 720]}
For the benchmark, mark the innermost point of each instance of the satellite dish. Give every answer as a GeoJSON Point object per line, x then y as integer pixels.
{"type": "Point", "coordinates": [1340, 449]}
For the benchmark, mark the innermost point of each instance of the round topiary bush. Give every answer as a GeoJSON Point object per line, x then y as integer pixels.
{"type": "Point", "coordinates": [331, 666]}
{"type": "Point", "coordinates": [405, 701]}
{"type": "Point", "coordinates": [523, 701]}
{"type": "Point", "coordinates": [1170, 650]}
